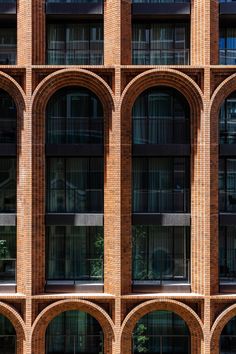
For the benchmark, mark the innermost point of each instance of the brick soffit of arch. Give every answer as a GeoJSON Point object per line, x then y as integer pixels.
{"type": "Point", "coordinates": [159, 77]}
{"type": "Point", "coordinates": [16, 320]}
{"type": "Point", "coordinates": [71, 77]}
{"type": "Point", "coordinates": [185, 312]}
{"type": "Point", "coordinates": [12, 87]}
{"type": "Point", "coordinates": [46, 316]}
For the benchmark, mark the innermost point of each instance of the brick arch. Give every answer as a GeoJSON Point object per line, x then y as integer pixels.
{"type": "Point", "coordinates": [170, 78]}
{"type": "Point", "coordinates": [185, 312]}
{"type": "Point", "coordinates": [46, 316]}
{"type": "Point", "coordinates": [71, 77]}
{"type": "Point", "coordinates": [17, 322]}
{"type": "Point", "coordinates": [12, 87]}
{"type": "Point", "coordinates": [219, 325]}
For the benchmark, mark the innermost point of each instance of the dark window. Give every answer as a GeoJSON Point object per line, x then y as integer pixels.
{"type": "Point", "coordinates": [7, 254]}
{"type": "Point", "coordinates": [161, 332]}
{"type": "Point", "coordinates": [160, 1]}
{"type": "Point", "coordinates": [160, 43]}
{"type": "Point", "coordinates": [7, 185]}
{"type": "Point", "coordinates": [75, 1]}
{"type": "Point", "coordinates": [227, 185]}
{"type": "Point", "coordinates": [74, 116]}
{"type": "Point", "coordinates": [74, 332]}
{"type": "Point", "coordinates": [75, 43]}
{"type": "Point", "coordinates": [228, 338]}
{"type": "Point", "coordinates": [228, 120]}
{"type": "Point", "coordinates": [7, 45]}
{"type": "Point", "coordinates": [7, 119]}
{"type": "Point", "coordinates": [227, 253]}
{"type": "Point", "coordinates": [75, 185]}
{"type": "Point", "coordinates": [7, 336]}
{"type": "Point", "coordinates": [75, 253]}
{"type": "Point", "coordinates": [161, 185]}
{"type": "Point", "coordinates": [161, 116]}
{"type": "Point", "coordinates": [227, 46]}
{"type": "Point", "coordinates": [161, 253]}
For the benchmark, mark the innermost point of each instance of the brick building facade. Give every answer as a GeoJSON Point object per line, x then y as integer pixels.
{"type": "Point", "coordinates": [186, 51]}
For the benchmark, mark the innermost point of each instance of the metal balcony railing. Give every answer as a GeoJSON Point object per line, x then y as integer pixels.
{"type": "Point", "coordinates": [74, 130]}
{"type": "Point", "coordinates": [86, 269]}
{"type": "Point", "coordinates": [75, 200]}
{"type": "Point", "coordinates": [224, 1]}
{"type": "Point", "coordinates": [76, 56]}
{"type": "Point", "coordinates": [84, 343]}
{"type": "Point", "coordinates": [159, 56]}
{"type": "Point", "coordinates": [168, 268]}
{"type": "Point", "coordinates": [161, 201]}
{"type": "Point", "coordinates": [7, 55]}
{"type": "Point", "coordinates": [7, 269]}
{"type": "Point", "coordinates": [161, 344]}
{"type": "Point", "coordinates": [227, 57]}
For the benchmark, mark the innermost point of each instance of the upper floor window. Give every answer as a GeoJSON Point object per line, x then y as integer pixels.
{"type": "Point", "coordinates": [160, 43]}
{"type": "Point", "coordinates": [161, 116]}
{"type": "Point", "coordinates": [7, 253]}
{"type": "Point", "coordinates": [161, 253]}
{"type": "Point", "coordinates": [74, 116]}
{"type": "Point", "coordinates": [75, 253]}
{"type": "Point", "coordinates": [227, 253]}
{"type": "Point", "coordinates": [227, 185]}
{"type": "Point", "coordinates": [7, 336]}
{"type": "Point", "coordinates": [75, 43]}
{"type": "Point", "coordinates": [7, 185]}
{"type": "Point", "coordinates": [75, 1]}
{"type": "Point", "coordinates": [74, 332]}
{"type": "Point", "coordinates": [75, 185]}
{"type": "Point", "coordinates": [162, 332]}
{"type": "Point", "coordinates": [228, 120]}
{"type": "Point", "coordinates": [227, 46]}
{"type": "Point", "coordinates": [161, 185]}
{"type": "Point", "coordinates": [7, 45]}
{"type": "Point", "coordinates": [7, 119]}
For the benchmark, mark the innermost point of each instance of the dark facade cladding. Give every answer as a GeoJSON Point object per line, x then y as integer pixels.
{"type": "Point", "coordinates": [117, 177]}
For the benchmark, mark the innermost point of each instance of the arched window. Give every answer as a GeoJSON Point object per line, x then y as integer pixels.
{"type": "Point", "coordinates": [161, 116]}
{"type": "Point", "coordinates": [227, 121]}
{"type": "Point", "coordinates": [228, 338]}
{"type": "Point", "coordinates": [161, 332]}
{"type": "Point", "coordinates": [7, 336]}
{"type": "Point", "coordinates": [8, 116]}
{"type": "Point", "coordinates": [74, 116]}
{"type": "Point", "coordinates": [74, 332]}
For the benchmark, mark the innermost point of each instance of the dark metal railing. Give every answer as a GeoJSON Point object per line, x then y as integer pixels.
{"type": "Point", "coordinates": [159, 56]}
{"type": "Point", "coordinates": [79, 56]}
{"type": "Point", "coordinates": [160, 130]}
{"type": "Point", "coordinates": [74, 130]}
{"type": "Point", "coordinates": [7, 269]}
{"type": "Point", "coordinates": [92, 269]}
{"type": "Point", "coordinates": [7, 54]}
{"type": "Point", "coordinates": [168, 268]}
{"type": "Point", "coordinates": [75, 200]}
{"type": "Point", "coordinates": [227, 57]}
{"type": "Point", "coordinates": [84, 343]}
{"type": "Point", "coordinates": [161, 344]}
{"type": "Point", "coordinates": [161, 201]}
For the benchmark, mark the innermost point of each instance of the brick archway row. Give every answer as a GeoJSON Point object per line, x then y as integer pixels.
{"type": "Point", "coordinates": [185, 312]}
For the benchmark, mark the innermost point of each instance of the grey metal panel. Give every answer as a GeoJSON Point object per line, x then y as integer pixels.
{"type": "Point", "coordinates": [74, 150]}
{"type": "Point", "coordinates": [8, 8]}
{"type": "Point", "coordinates": [161, 150]}
{"type": "Point", "coordinates": [228, 8]}
{"type": "Point", "coordinates": [228, 149]}
{"type": "Point", "coordinates": [74, 8]}
{"type": "Point", "coordinates": [7, 219]}
{"type": "Point", "coordinates": [164, 288]}
{"type": "Point", "coordinates": [74, 219]}
{"type": "Point", "coordinates": [74, 288]}
{"type": "Point", "coordinates": [227, 219]}
{"type": "Point", "coordinates": [167, 219]}
{"type": "Point", "coordinates": [161, 9]}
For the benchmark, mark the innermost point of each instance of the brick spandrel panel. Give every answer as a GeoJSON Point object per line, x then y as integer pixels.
{"type": "Point", "coordinates": [30, 309]}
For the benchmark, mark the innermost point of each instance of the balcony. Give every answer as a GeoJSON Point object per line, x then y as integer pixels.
{"type": "Point", "coordinates": [7, 7]}
{"type": "Point", "coordinates": [155, 8]}
{"type": "Point", "coordinates": [227, 7]}
{"type": "Point", "coordinates": [227, 57]}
